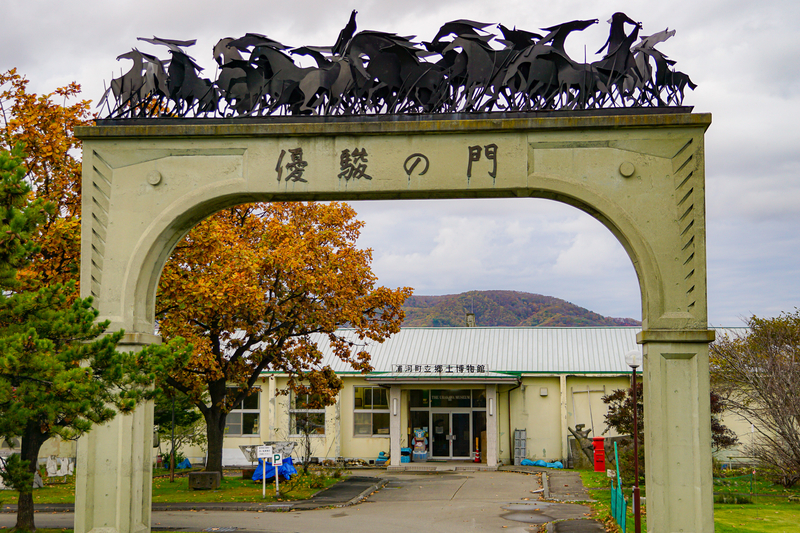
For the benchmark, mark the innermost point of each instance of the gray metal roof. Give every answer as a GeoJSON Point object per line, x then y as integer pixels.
{"type": "Point", "coordinates": [525, 350]}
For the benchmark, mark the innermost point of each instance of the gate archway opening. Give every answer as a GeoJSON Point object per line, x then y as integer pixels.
{"type": "Point", "coordinates": [146, 183]}
{"type": "Point", "coordinates": [531, 245]}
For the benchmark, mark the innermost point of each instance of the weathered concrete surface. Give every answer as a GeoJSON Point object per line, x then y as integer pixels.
{"type": "Point", "coordinates": [642, 176]}
{"type": "Point", "coordinates": [440, 502]}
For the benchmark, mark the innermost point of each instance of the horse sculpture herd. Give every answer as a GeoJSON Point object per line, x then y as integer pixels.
{"type": "Point", "coordinates": [372, 72]}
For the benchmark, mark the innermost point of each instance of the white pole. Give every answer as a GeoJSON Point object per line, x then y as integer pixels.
{"type": "Point", "coordinates": [277, 490]}
{"type": "Point", "coordinates": [262, 452]}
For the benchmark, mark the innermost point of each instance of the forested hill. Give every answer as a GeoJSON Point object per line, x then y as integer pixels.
{"type": "Point", "coordinates": [502, 308]}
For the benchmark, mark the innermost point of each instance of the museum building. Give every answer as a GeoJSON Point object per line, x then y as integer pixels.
{"type": "Point", "coordinates": [445, 394]}
{"type": "Point", "coordinates": [477, 394]}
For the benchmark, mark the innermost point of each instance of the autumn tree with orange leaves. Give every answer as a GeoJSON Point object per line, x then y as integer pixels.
{"type": "Point", "coordinates": [45, 124]}
{"type": "Point", "coordinates": [250, 285]}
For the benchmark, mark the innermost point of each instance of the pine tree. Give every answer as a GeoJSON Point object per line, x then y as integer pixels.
{"type": "Point", "coordinates": [59, 372]}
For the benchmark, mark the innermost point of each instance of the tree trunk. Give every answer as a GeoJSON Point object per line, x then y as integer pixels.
{"type": "Point", "coordinates": [32, 442]}
{"type": "Point", "coordinates": [215, 432]}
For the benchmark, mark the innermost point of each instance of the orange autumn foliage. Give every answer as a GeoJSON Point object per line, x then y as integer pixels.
{"type": "Point", "coordinates": [45, 124]}
{"type": "Point", "coordinates": [249, 285]}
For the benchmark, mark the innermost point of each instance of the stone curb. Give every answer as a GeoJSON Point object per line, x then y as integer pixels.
{"type": "Point", "coordinates": [310, 505]}
{"type": "Point", "coordinates": [545, 477]}
{"type": "Point", "coordinates": [377, 486]}
{"type": "Point", "coordinates": [546, 485]}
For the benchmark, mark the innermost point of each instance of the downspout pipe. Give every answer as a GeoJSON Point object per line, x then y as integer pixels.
{"type": "Point", "coordinates": [508, 412]}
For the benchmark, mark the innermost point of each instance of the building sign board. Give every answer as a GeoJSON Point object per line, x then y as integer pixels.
{"type": "Point", "coordinates": [440, 369]}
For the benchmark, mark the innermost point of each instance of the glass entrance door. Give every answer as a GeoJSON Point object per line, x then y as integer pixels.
{"type": "Point", "coordinates": [440, 434]}
{"type": "Point", "coordinates": [461, 435]}
{"type": "Point", "coordinates": [451, 434]}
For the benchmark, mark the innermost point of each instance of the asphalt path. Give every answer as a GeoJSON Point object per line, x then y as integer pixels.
{"type": "Point", "coordinates": [445, 502]}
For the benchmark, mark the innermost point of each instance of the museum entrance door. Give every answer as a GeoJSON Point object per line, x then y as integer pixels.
{"type": "Point", "coordinates": [451, 434]}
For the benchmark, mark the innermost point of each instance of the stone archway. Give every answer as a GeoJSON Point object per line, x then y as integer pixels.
{"type": "Point", "coordinates": [146, 183]}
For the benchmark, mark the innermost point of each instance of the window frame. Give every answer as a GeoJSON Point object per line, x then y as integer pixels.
{"type": "Point", "coordinates": [293, 411]}
{"type": "Point", "coordinates": [241, 411]}
{"type": "Point", "coordinates": [371, 411]}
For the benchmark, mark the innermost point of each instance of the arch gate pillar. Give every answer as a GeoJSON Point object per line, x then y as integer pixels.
{"type": "Point", "coordinates": [146, 183]}
{"type": "Point", "coordinates": [114, 479]}
{"type": "Point", "coordinates": [677, 428]}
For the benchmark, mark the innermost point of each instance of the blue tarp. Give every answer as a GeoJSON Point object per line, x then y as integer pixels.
{"type": "Point", "coordinates": [286, 470]}
{"type": "Point", "coordinates": [528, 462]}
{"type": "Point", "coordinates": [183, 464]}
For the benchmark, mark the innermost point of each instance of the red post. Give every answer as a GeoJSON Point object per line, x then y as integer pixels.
{"type": "Point", "coordinates": [599, 454]}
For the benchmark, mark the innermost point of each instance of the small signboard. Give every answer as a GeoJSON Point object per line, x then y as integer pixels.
{"type": "Point", "coordinates": [277, 459]}
{"type": "Point", "coordinates": [263, 452]}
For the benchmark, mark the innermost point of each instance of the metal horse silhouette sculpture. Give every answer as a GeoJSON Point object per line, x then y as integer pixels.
{"type": "Point", "coordinates": [372, 72]}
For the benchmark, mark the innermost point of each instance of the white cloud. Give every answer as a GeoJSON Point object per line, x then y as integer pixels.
{"type": "Point", "coordinates": [516, 244]}
{"type": "Point", "coordinates": [591, 251]}
{"type": "Point", "coordinates": [741, 53]}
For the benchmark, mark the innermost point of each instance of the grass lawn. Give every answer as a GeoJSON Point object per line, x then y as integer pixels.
{"type": "Point", "coordinates": [234, 489]}
{"type": "Point", "coordinates": [48, 530]}
{"type": "Point", "coordinates": [775, 517]}
{"type": "Point", "coordinates": [771, 510]}
{"type": "Point", "coordinates": [739, 482]}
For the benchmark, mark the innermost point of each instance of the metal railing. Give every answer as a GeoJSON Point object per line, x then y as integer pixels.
{"type": "Point", "coordinates": [619, 506]}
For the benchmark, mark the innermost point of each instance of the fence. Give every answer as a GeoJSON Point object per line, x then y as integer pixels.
{"type": "Point", "coordinates": [752, 488]}
{"type": "Point", "coordinates": [735, 489]}
{"type": "Point", "coordinates": [619, 506]}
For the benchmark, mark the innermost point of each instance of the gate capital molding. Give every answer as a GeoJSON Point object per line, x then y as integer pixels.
{"type": "Point", "coordinates": [677, 336]}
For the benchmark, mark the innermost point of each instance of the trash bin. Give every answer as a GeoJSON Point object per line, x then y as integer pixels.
{"type": "Point", "coordinates": [405, 455]}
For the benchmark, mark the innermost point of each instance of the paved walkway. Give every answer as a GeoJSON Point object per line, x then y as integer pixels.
{"type": "Point", "coordinates": [389, 501]}
{"type": "Point", "coordinates": [563, 486]}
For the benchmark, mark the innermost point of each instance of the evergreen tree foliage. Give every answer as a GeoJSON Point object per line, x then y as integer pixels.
{"type": "Point", "coordinates": [178, 422]}
{"type": "Point", "coordinates": [59, 372]}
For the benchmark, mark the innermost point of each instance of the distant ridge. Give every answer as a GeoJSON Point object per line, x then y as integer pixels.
{"type": "Point", "coordinates": [503, 309]}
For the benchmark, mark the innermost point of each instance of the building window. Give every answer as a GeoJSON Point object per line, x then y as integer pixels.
{"type": "Point", "coordinates": [242, 421]}
{"type": "Point", "coordinates": [305, 416]}
{"type": "Point", "coordinates": [371, 412]}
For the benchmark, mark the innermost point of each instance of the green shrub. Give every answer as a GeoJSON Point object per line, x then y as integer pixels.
{"type": "Point", "coordinates": [317, 481]}
{"type": "Point", "coordinates": [736, 499]}
{"type": "Point", "coordinates": [16, 474]}
{"type": "Point", "coordinates": [179, 457]}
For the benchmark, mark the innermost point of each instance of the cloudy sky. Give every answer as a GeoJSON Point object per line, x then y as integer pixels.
{"type": "Point", "coordinates": [742, 54]}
